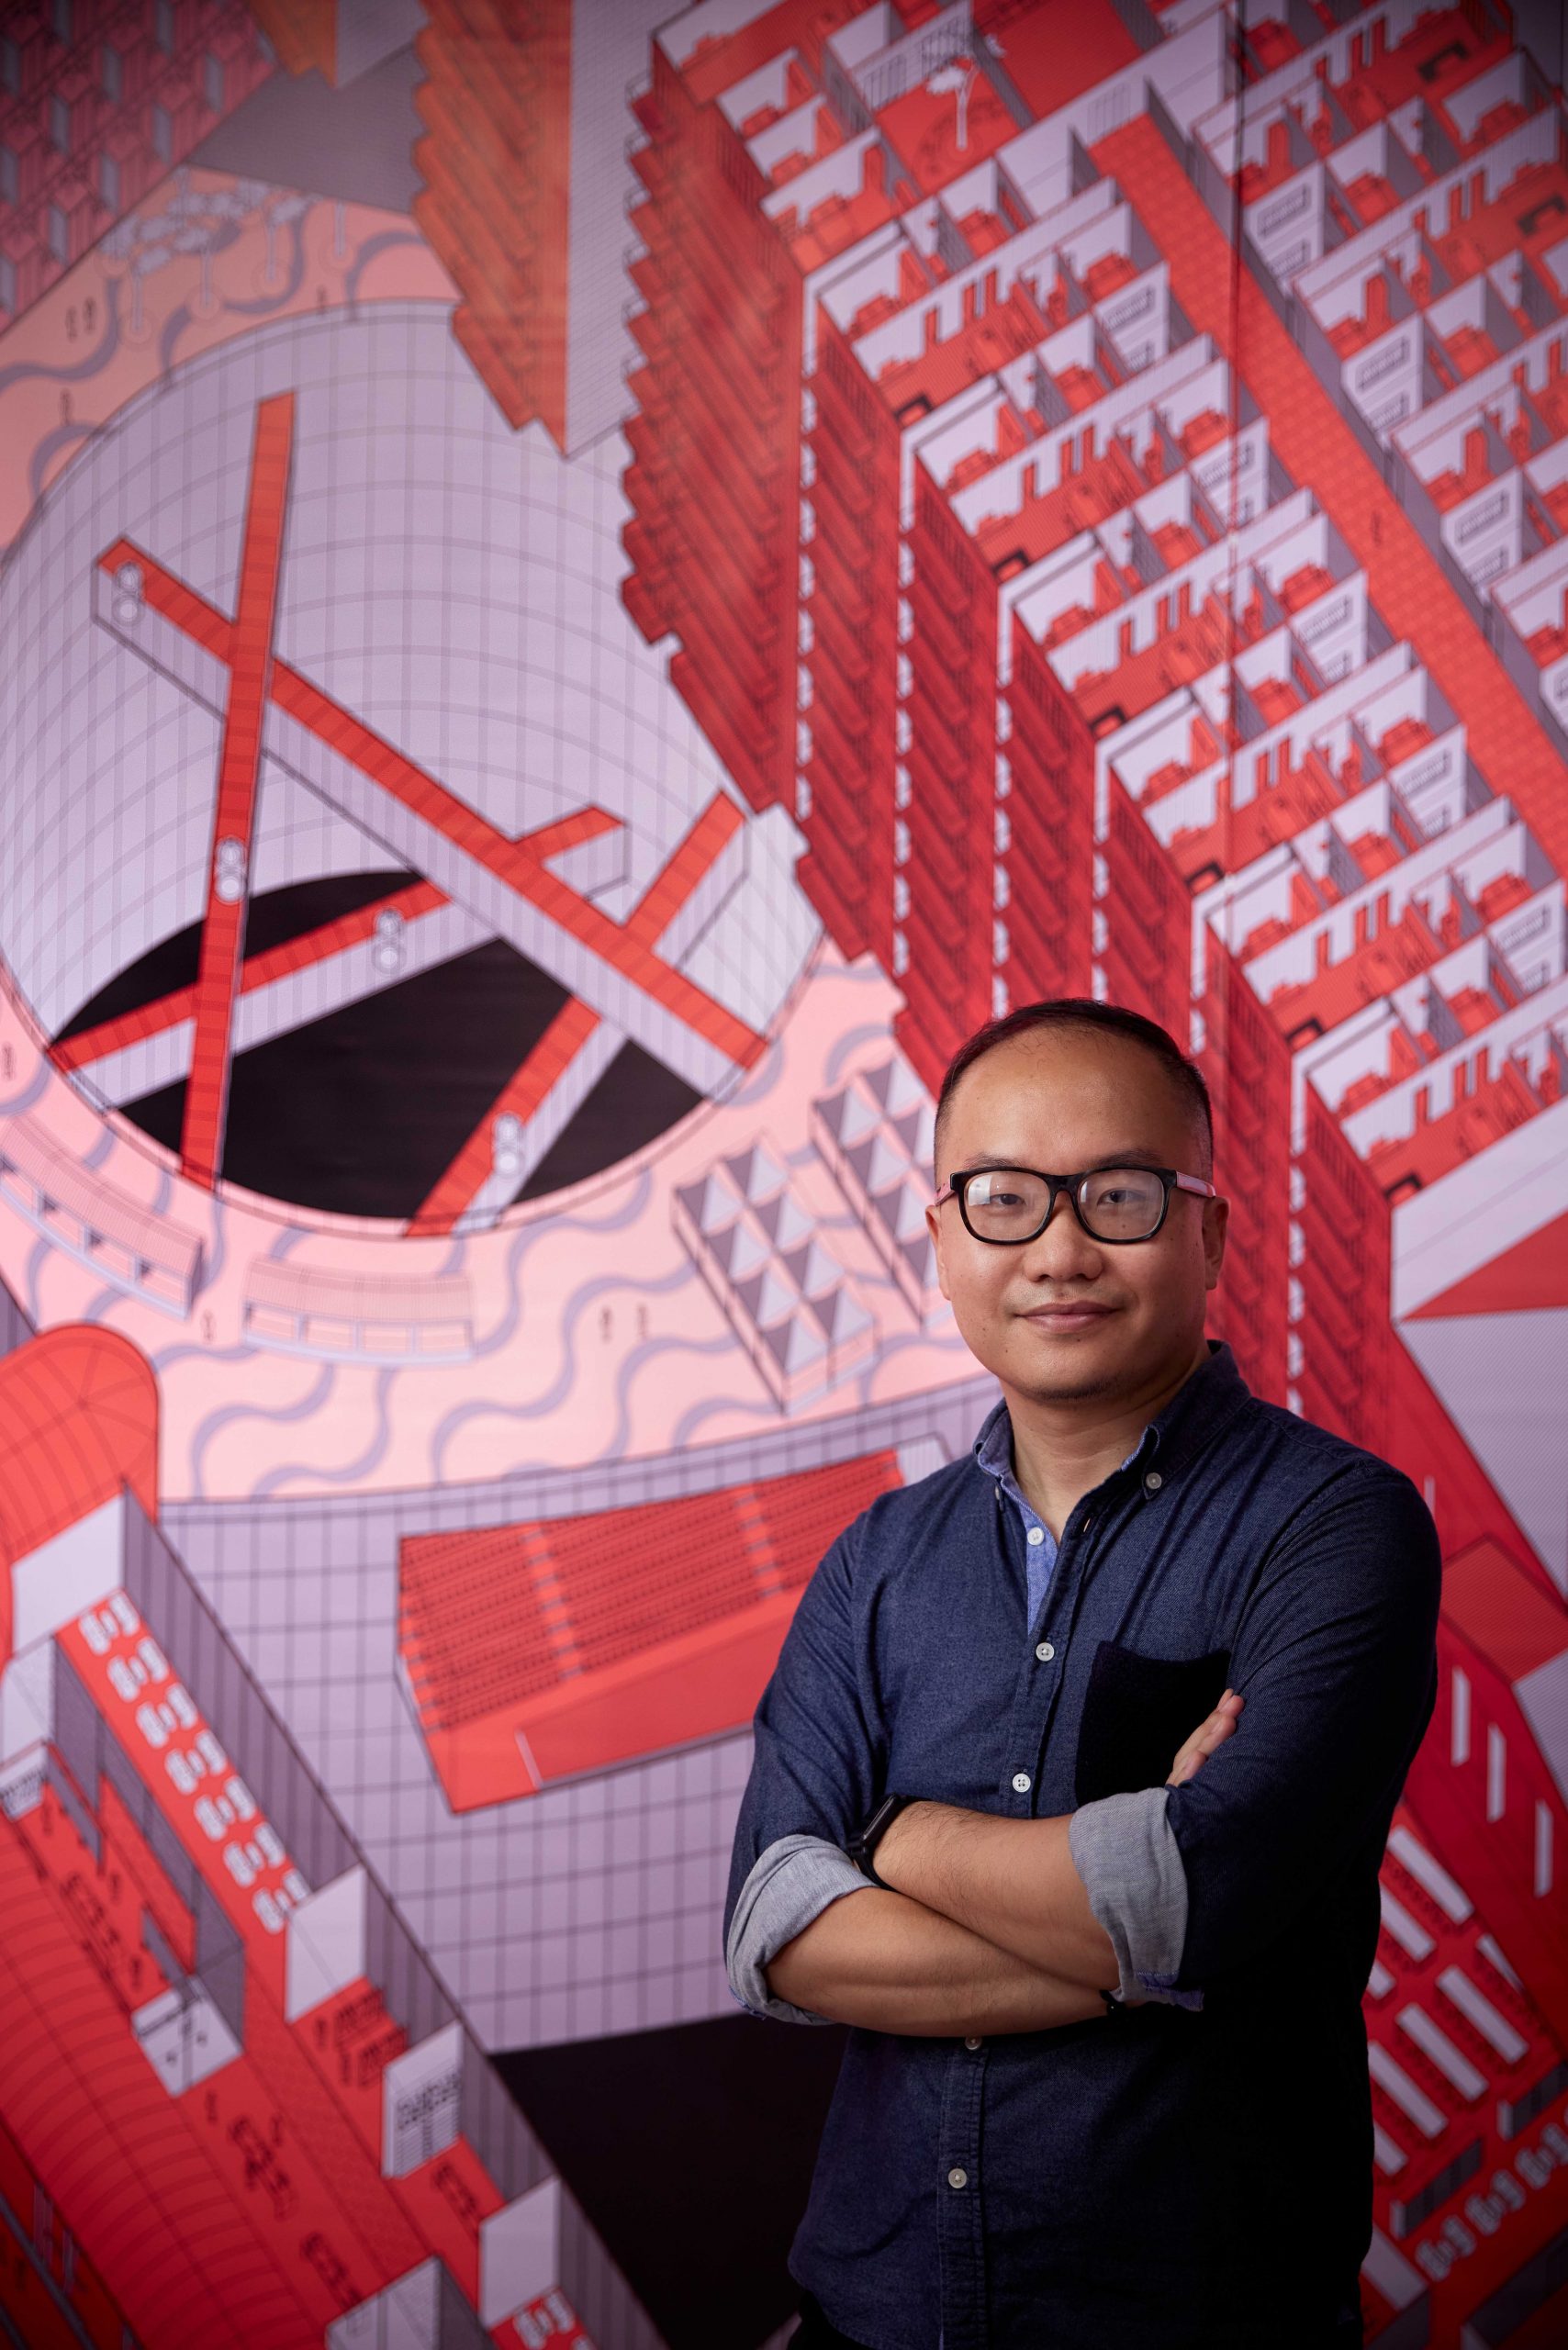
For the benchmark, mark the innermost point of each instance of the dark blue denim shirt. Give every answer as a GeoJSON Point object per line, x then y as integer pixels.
{"type": "Point", "coordinates": [1171, 2177]}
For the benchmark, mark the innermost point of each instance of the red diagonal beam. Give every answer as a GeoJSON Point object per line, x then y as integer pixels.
{"type": "Point", "coordinates": [206, 1089]}
{"type": "Point", "coordinates": [523, 1094]}
{"type": "Point", "coordinates": [563, 832]}
{"type": "Point", "coordinates": [1404, 580]}
{"type": "Point", "coordinates": [107, 1037]}
{"type": "Point", "coordinates": [547, 1062]}
{"type": "Point", "coordinates": [611, 942]}
{"type": "Point", "coordinates": [512, 862]}
{"type": "Point", "coordinates": [317, 946]}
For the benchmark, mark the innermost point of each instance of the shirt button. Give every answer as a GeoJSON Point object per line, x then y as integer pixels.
{"type": "Point", "coordinates": [1153, 1482]}
{"type": "Point", "coordinates": [971, 2043]}
{"type": "Point", "coordinates": [1020, 1783]}
{"type": "Point", "coordinates": [1045, 1651]}
{"type": "Point", "coordinates": [958, 2178]}
{"type": "Point", "coordinates": [1036, 1536]}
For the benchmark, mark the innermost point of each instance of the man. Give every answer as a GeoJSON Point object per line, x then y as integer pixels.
{"type": "Point", "coordinates": [1106, 2085]}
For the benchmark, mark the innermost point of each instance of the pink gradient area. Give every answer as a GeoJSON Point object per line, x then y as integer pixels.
{"type": "Point", "coordinates": [592, 1333]}
{"type": "Point", "coordinates": [43, 423]}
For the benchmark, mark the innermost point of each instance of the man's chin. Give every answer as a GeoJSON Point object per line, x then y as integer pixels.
{"type": "Point", "coordinates": [1069, 1385]}
{"type": "Point", "coordinates": [1050, 1373]}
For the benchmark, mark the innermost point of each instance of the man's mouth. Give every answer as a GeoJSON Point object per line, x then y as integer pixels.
{"type": "Point", "coordinates": [1068, 1318]}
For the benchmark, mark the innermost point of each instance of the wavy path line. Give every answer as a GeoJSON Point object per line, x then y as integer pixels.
{"type": "Point", "coordinates": [851, 1041]}
{"type": "Point", "coordinates": [33, 1091]}
{"type": "Point", "coordinates": [637, 1360]}
{"type": "Point", "coordinates": [39, 1256]}
{"type": "Point", "coordinates": [47, 448]}
{"type": "Point", "coordinates": [209, 1429]}
{"type": "Point", "coordinates": [371, 1458]}
{"type": "Point", "coordinates": [368, 253]}
{"type": "Point", "coordinates": [692, 1419]}
{"type": "Point", "coordinates": [172, 1355]}
{"type": "Point", "coordinates": [539, 1407]}
{"type": "Point", "coordinates": [531, 1234]}
{"type": "Point", "coordinates": [33, 371]}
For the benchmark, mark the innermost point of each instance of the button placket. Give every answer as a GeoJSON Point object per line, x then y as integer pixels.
{"type": "Point", "coordinates": [960, 2216]}
{"type": "Point", "coordinates": [1036, 1691]}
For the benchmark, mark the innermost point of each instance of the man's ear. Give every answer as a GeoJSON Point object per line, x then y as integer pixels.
{"type": "Point", "coordinates": [1216, 1215]}
{"type": "Point", "coordinates": [934, 1225]}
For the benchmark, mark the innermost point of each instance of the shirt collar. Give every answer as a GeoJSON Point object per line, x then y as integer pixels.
{"type": "Point", "coordinates": [1201, 1405]}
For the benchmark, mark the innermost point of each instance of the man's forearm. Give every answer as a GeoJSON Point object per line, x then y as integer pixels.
{"type": "Point", "coordinates": [889, 1963]}
{"type": "Point", "coordinates": [1012, 1882]}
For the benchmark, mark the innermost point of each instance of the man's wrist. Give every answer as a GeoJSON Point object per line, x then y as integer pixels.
{"type": "Point", "coordinates": [864, 1847]}
{"type": "Point", "coordinates": [894, 1840]}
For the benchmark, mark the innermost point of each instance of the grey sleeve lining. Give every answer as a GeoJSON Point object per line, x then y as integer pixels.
{"type": "Point", "coordinates": [1125, 1850]}
{"type": "Point", "coordinates": [790, 1884]}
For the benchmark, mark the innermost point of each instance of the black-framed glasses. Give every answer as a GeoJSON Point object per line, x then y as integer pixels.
{"type": "Point", "coordinates": [1006, 1206]}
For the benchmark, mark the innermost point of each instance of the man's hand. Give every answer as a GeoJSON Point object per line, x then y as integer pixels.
{"type": "Point", "coordinates": [1212, 1731]}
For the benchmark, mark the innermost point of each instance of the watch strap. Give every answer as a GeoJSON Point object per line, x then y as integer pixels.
{"type": "Point", "coordinates": [863, 1843]}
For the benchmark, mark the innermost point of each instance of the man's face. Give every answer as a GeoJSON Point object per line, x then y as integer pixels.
{"type": "Point", "coordinates": [1063, 1100]}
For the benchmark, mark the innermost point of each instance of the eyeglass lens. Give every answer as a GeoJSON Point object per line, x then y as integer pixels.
{"type": "Point", "coordinates": [1010, 1203]}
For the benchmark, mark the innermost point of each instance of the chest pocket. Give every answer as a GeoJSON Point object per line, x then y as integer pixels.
{"type": "Point", "coordinates": [1136, 1712]}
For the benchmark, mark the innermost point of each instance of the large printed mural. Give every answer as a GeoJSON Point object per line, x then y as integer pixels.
{"type": "Point", "coordinates": [584, 588]}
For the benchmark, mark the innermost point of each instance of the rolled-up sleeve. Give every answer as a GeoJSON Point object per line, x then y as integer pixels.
{"type": "Point", "coordinates": [1130, 1863]}
{"type": "Point", "coordinates": [1336, 1657]}
{"type": "Point", "coordinates": [789, 1886]}
{"type": "Point", "coordinates": [817, 1767]}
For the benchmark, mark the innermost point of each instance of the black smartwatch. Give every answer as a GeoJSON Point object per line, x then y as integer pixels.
{"type": "Point", "coordinates": [864, 1842]}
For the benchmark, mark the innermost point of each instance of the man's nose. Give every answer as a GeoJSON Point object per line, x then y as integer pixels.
{"type": "Point", "coordinates": [1062, 1244]}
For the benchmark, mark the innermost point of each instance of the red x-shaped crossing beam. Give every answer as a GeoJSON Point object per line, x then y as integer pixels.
{"type": "Point", "coordinates": [527, 1088]}
{"type": "Point", "coordinates": [257, 679]}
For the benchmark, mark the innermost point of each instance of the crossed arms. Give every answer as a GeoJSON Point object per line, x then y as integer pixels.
{"type": "Point", "coordinates": [988, 1927]}
{"type": "Point", "coordinates": [997, 1923]}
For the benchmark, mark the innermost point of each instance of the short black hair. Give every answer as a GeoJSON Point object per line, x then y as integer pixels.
{"type": "Point", "coordinates": [1081, 1011]}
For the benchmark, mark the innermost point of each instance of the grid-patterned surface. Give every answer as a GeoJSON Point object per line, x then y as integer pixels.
{"type": "Point", "coordinates": [589, 1908]}
{"type": "Point", "coordinates": [453, 584]}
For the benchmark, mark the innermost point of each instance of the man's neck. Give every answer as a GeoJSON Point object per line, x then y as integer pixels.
{"type": "Point", "coordinates": [1062, 1452]}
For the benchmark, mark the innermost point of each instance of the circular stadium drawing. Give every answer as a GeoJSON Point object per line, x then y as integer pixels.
{"type": "Point", "coordinates": [358, 850]}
